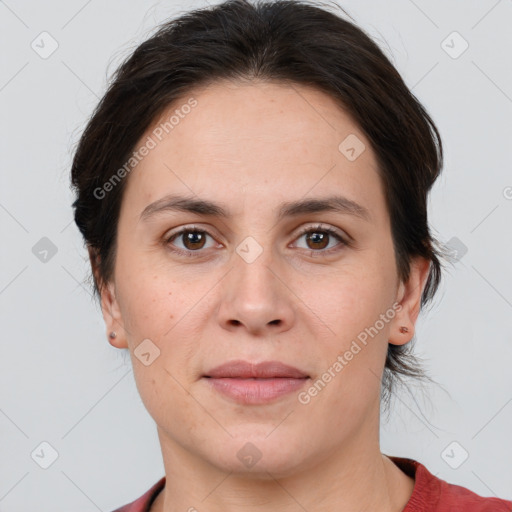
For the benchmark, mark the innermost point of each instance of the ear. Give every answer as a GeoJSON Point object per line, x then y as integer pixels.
{"type": "Point", "coordinates": [409, 299]}
{"type": "Point", "coordinates": [109, 305]}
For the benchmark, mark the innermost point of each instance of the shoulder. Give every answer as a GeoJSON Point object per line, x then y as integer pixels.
{"type": "Point", "coordinates": [433, 494]}
{"type": "Point", "coordinates": [143, 503]}
{"type": "Point", "coordinates": [455, 497]}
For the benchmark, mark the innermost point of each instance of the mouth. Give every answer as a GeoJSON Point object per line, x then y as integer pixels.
{"type": "Point", "coordinates": [250, 383]}
{"type": "Point", "coordinates": [245, 370]}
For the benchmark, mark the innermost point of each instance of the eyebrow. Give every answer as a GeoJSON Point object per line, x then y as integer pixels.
{"type": "Point", "coordinates": [338, 204]}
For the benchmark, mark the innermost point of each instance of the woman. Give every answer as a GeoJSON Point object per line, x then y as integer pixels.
{"type": "Point", "coordinates": [252, 190]}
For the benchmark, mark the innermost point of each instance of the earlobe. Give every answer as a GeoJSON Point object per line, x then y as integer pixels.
{"type": "Point", "coordinates": [115, 342]}
{"type": "Point", "coordinates": [409, 297]}
{"type": "Point", "coordinates": [109, 306]}
{"type": "Point", "coordinates": [402, 334]}
{"type": "Point", "coordinates": [112, 317]}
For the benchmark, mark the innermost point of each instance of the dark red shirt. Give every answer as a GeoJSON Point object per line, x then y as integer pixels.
{"type": "Point", "coordinates": [430, 494]}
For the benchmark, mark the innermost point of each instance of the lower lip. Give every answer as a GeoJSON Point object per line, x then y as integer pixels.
{"type": "Point", "coordinates": [256, 391]}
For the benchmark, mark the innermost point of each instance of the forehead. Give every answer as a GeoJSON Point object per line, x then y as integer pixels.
{"type": "Point", "coordinates": [274, 139]}
{"type": "Point", "coordinates": [261, 114]}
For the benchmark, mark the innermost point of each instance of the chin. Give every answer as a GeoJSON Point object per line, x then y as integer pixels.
{"type": "Point", "coordinates": [260, 457]}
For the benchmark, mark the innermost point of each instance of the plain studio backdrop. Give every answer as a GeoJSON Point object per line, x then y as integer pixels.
{"type": "Point", "coordinates": [74, 434]}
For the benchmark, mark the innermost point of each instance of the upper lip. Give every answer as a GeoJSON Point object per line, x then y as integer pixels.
{"type": "Point", "coordinates": [264, 370]}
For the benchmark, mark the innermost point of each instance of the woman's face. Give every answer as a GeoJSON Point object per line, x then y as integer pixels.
{"type": "Point", "coordinates": [250, 286]}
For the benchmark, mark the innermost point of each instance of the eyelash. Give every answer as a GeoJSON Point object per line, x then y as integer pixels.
{"type": "Point", "coordinates": [319, 228]}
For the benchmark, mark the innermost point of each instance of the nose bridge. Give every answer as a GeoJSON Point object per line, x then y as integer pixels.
{"type": "Point", "coordinates": [253, 294]}
{"type": "Point", "coordinates": [254, 271]}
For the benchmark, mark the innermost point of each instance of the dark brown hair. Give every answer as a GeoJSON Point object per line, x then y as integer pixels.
{"type": "Point", "coordinates": [288, 42]}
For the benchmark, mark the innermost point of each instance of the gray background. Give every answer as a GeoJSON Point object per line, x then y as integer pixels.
{"type": "Point", "coordinates": [60, 380]}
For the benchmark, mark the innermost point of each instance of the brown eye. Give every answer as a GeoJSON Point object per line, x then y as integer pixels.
{"type": "Point", "coordinates": [193, 240]}
{"type": "Point", "coordinates": [188, 241]}
{"type": "Point", "coordinates": [319, 237]}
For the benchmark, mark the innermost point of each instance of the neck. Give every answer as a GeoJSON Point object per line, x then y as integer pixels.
{"type": "Point", "coordinates": [357, 477]}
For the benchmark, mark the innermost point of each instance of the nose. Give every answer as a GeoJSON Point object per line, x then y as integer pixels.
{"type": "Point", "coordinates": [256, 297]}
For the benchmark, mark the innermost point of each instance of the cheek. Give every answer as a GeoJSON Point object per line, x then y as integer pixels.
{"type": "Point", "coordinates": [353, 358]}
{"type": "Point", "coordinates": [357, 307]}
{"type": "Point", "coordinates": [164, 395]}
{"type": "Point", "coordinates": [157, 316]}
{"type": "Point", "coordinates": [353, 299]}
{"type": "Point", "coordinates": [149, 297]}
{"type": "Point", "coordinates": [158, 306]}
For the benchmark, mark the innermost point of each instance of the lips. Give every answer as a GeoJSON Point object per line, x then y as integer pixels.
{"type": "Point", "coordinates": [255, 384]}
{"type": "Point", "coordinates": [265, 370]}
